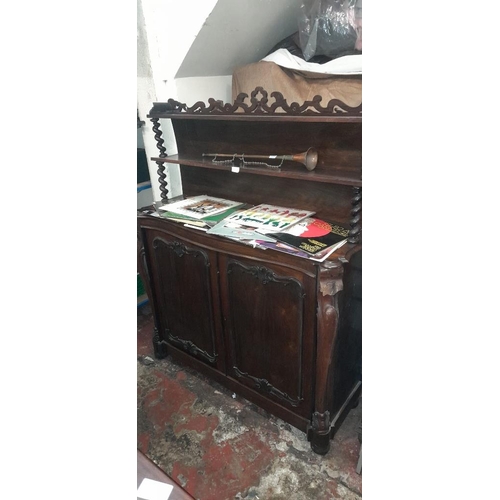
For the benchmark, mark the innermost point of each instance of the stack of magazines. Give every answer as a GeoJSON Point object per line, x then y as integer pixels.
{"type": "Point", "coordinates": [283, 229]}
{"type": "Point", "coordinates": [200, 212]}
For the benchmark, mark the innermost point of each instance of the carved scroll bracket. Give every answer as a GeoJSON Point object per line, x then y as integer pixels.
{"type": "Point", "coordinates": [190, 347]}
{"type": "Point", "coordinates": [180, 249]}
{"type": "Point", "coordinates": [265, 386]}
{"type": "Point", "coordinates": [266, 276]}
{"type": "Point", "coordinates": [330, 279]}
{"type": "Point", "coordinates": [330, 285]}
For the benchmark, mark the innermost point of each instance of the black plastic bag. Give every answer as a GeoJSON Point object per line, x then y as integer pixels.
{"type": "Point", "coordinates": [329, 28]}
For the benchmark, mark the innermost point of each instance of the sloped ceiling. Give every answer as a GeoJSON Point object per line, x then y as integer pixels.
{"type": "Point", "coordinates": [238, 32]}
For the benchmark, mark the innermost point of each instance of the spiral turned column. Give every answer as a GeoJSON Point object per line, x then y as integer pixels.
{"type": "Point", "coordinates": [162, 176]}
{"type": "Point", "coordinates": [355, 222]}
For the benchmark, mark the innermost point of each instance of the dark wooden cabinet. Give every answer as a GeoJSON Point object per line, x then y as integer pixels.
{"type": "Point", "coordinates": [269, 313]}
{"type": "Point", "coordinates": [282, 331]}
{"type": "Point", "coordinates": [183, 275]}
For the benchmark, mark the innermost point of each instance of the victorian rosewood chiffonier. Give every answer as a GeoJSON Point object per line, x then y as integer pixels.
{"type": "Point", "coordinates": [280, 330]}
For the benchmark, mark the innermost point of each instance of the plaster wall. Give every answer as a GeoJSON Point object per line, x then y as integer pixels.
{"type": "Point", "coordinates": [188, 50]}
{"type": "Point", "coordinates": [163, 39]}
{"type": "Point", "coordinates": [239, 32]}
{"type": "Point", "coordinates": [192, 90]}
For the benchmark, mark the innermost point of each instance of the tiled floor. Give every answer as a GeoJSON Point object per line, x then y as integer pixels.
{"type": "Point", "coordinates": [219, 446]}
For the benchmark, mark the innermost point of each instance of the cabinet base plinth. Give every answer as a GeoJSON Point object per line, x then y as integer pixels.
{"type": "Point", "coordinates": [322, 429]}
{"type": "Point", "coordinates": [318, 432]}
{"type": "Point", "coordinates": [159, 346]}
{"type": "Point", "coordinates": [320, 441]}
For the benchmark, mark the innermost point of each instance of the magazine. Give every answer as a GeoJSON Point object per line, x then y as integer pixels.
{"type": "Point", "coordinates": [268, 218]}
{"type": "Point", "coordinates": [313, 236]}
{"type": "Point", "coordinates": [199, 207]}
{"type": "Point", "coordinates": [206, 222]}
{"type": "Point", "coordinates": [236, 231]}
{"type": "Point", "coordinates": [282, 247]}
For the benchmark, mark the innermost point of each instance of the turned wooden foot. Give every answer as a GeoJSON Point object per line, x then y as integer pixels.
{"type": "Point", "coordinates": [320, 442]}
{"type": "Point", "coordinates": [318, 433]}
{"type": "Point", "coordinates": [159, 346]}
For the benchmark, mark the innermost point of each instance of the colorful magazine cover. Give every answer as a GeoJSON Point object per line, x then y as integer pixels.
{"type": "Point", "coordinates": [236, 231]}
{"type": "Point", "coordinates": [269, 218]}
{"type": "Point", "coordinates": [199, 207]}
{"type": "Point", "coordinates": [208, 221]}
{"type": "Point", "coordinates": [282, 247]}
{"type": "Point", "coordinates": [312, 235]}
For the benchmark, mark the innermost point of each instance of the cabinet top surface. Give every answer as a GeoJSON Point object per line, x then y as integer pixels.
{"type": "Point", "coordinates": [259, 108]}
{"type": "Point", "coordinates": [227, 246]}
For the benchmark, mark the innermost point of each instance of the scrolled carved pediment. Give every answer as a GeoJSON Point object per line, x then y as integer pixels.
{"type": "Point", "coordinates": [259, 103]}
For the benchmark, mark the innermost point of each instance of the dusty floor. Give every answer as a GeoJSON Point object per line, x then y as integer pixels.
{"type": "Point", "coordinates": [218, 446]}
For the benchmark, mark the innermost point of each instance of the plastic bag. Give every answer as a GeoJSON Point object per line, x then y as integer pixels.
{"type": "Point", "coordinates": [291, 43]}
{"type": "Point", "coordinates": [329, 27]}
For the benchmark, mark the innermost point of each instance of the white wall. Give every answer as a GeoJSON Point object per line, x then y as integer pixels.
{"type": "Point", "coordinates": [171, 28]}
{"type": "Point", "coordinates": [199, 88]}
{"type": "Point", "coordinates": [187, 51]}
{"type": "Point", "coordinates": [239, 32]}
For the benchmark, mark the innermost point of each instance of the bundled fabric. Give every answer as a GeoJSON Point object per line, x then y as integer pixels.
{"type": "Point", "coordinates": [298, 86]}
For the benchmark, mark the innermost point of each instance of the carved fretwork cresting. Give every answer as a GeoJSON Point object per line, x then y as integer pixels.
{"type": "Point", "coordinates": [355, 221]}
{"type": "Point", "coordinates": [162, 177]}
{"type": "Point", "coordinates": [263, 385]}
{"type": "Point", "coordinates": [260, 105]}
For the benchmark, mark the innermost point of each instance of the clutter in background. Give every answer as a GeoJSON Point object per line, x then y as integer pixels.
{"type": "Point", "coordinates": [327, 29]}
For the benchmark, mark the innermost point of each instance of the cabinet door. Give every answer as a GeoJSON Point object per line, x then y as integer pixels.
{"type": "Point", "coordinates": [184, 284]}
{"type": "Point", "coordinates": [269, 315]}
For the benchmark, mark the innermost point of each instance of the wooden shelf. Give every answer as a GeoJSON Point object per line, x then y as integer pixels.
{"type": "Point", "coordinates": [277, 117]}
{"type": "Point", "coordinates": [290, 171]}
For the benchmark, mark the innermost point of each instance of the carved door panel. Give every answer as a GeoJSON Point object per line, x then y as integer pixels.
{"type": "Point", "coordinates": [184, 284]}
{"type": "Point", "coordinates": [269, 315]}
